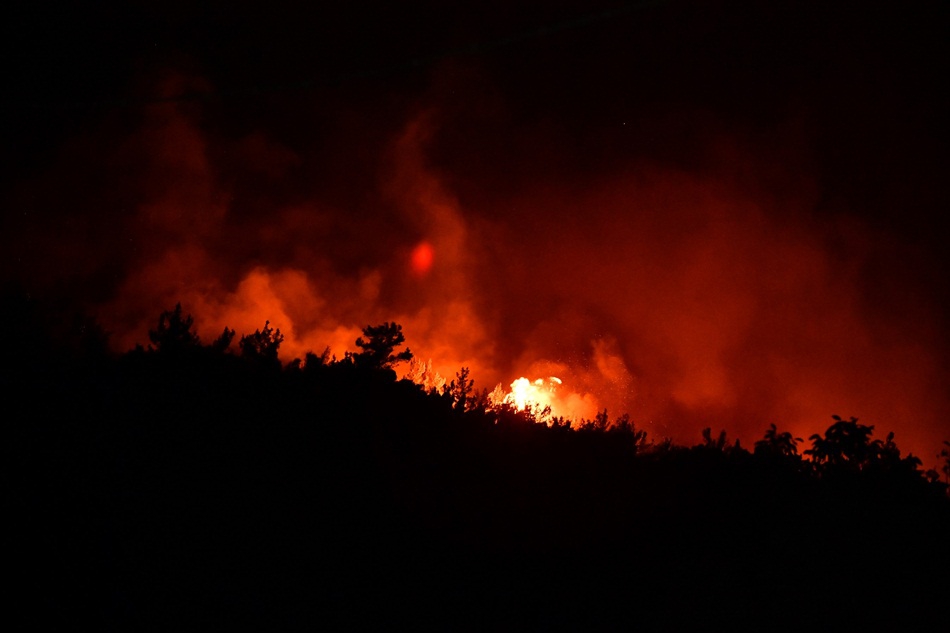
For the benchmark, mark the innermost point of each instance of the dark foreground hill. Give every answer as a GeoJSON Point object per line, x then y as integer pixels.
{"type": "Point", "coordinates": [201, 490]}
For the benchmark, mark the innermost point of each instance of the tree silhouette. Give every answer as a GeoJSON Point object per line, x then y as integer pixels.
{"type": "Point", "coordinates": [778, 444]}
{"type": "Point", "coordinates": [599, 423]}
{"type": "Point", "coordinates": [379, 346]}
{"type": "Point", "coordinates": [845, 445]}
{"type": "Point", "coordinates": [624, 427]}
{"type": "Point", "coordinates": [461, 389]}
{"type": "Point", "coordinates": [887, 456]}
{"type": "Point", "coordinates": [945, 468]}
{"type": "Point", "coordinates": [718, 444]}
{"type": "Point", "coordinates": [261, 346]}
{"type": "Point", "coordinates": [312, 362]}
{"type": "Point", "coordinates": [174, 335]}
{"type": "Point", "coordinates": [223, 342]}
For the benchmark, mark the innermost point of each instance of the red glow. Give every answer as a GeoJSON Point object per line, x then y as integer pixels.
{"type": "Point", "coordinates": [421, 259]}
{"type": "Point", "coordinates": [679, 298]}
{"type": "Point", "coordinates": [685, 298]}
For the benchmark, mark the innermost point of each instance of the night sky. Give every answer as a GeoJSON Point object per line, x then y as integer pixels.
{"type": "Point", "coordinates": [720, 214]}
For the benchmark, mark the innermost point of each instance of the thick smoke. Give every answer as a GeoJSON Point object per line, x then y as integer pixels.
{"type": "Point", "coordinates": [686, 295]}
{"type": "Point", "coordinates": [725, 312]}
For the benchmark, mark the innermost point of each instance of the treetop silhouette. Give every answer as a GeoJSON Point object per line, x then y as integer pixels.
{"type": "Point", "coordinates": [173, 334]}
{"type": "Point", "coordinates": [378, 348]}
{"type": "Point", "coordinates": [846, 446]}
{"type": "Point", "coordinates": [778, 444]}
{"type": "Point", "coordinates": [945, 468]}
{"type": "Point", "coordinates": [262, 345]}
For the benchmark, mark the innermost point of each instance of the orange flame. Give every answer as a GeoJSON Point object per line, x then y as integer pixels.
{"type": "Point", "coordinates": [546, 395]}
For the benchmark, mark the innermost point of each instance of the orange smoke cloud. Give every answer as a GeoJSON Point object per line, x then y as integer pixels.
{"type": "Point", "coordinates": [305, 293]}
{"type": "Point", "coordinates": [686, 297]}
{"type": "Point", "coordinates": [728, 314]}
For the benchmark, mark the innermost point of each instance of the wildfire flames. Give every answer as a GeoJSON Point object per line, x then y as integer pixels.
{"type": "Point", "coordinates": [683, 298]}
{"type": "Point", "coordinates": [546, 398]}
{"type": "Point", "coordinates": [539, 393]}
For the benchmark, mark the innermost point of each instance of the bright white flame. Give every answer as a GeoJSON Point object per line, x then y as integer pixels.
{"type": "Point", "coordinates": [525, 394]}
{"type": "Point", "coordinates": [537, 394]}
{"type": "Point", "coordinates": [546, 394]}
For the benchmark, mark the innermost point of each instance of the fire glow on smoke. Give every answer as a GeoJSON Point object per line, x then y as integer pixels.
{"type": "Point", "coordinates": [681, 297]}
{"type": "Point", "coordinates": [546, 398]}
{"type": "Point", "coordinates": [540, 393]}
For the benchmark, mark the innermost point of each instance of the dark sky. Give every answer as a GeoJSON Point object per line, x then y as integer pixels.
{"type": "Point", "coordinates": [708, 214]}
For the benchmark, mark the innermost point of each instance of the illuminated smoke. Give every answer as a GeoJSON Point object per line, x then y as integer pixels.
{"type": "Point", "coordinates": [686, 297]}
{"type": "Point", "coordinates": [546, 398]}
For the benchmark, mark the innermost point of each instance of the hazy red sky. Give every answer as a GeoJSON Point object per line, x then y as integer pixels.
{"type": "Point", "coordinates": [718, 215]}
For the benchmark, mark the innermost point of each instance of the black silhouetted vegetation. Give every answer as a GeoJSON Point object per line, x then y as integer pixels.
{"type": "Point", "coordinates": [778, 445]}
{"type": "Point", "coordinates": [188, 485]}
{"type": "Point", "coordinates": [378, 348]}
{"type": "Point", "coordinates": [261, 347]}
{"type": "Point", "coordinates": [945, 468]}
{"type": "Point", "coordinates": [174, 334]}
